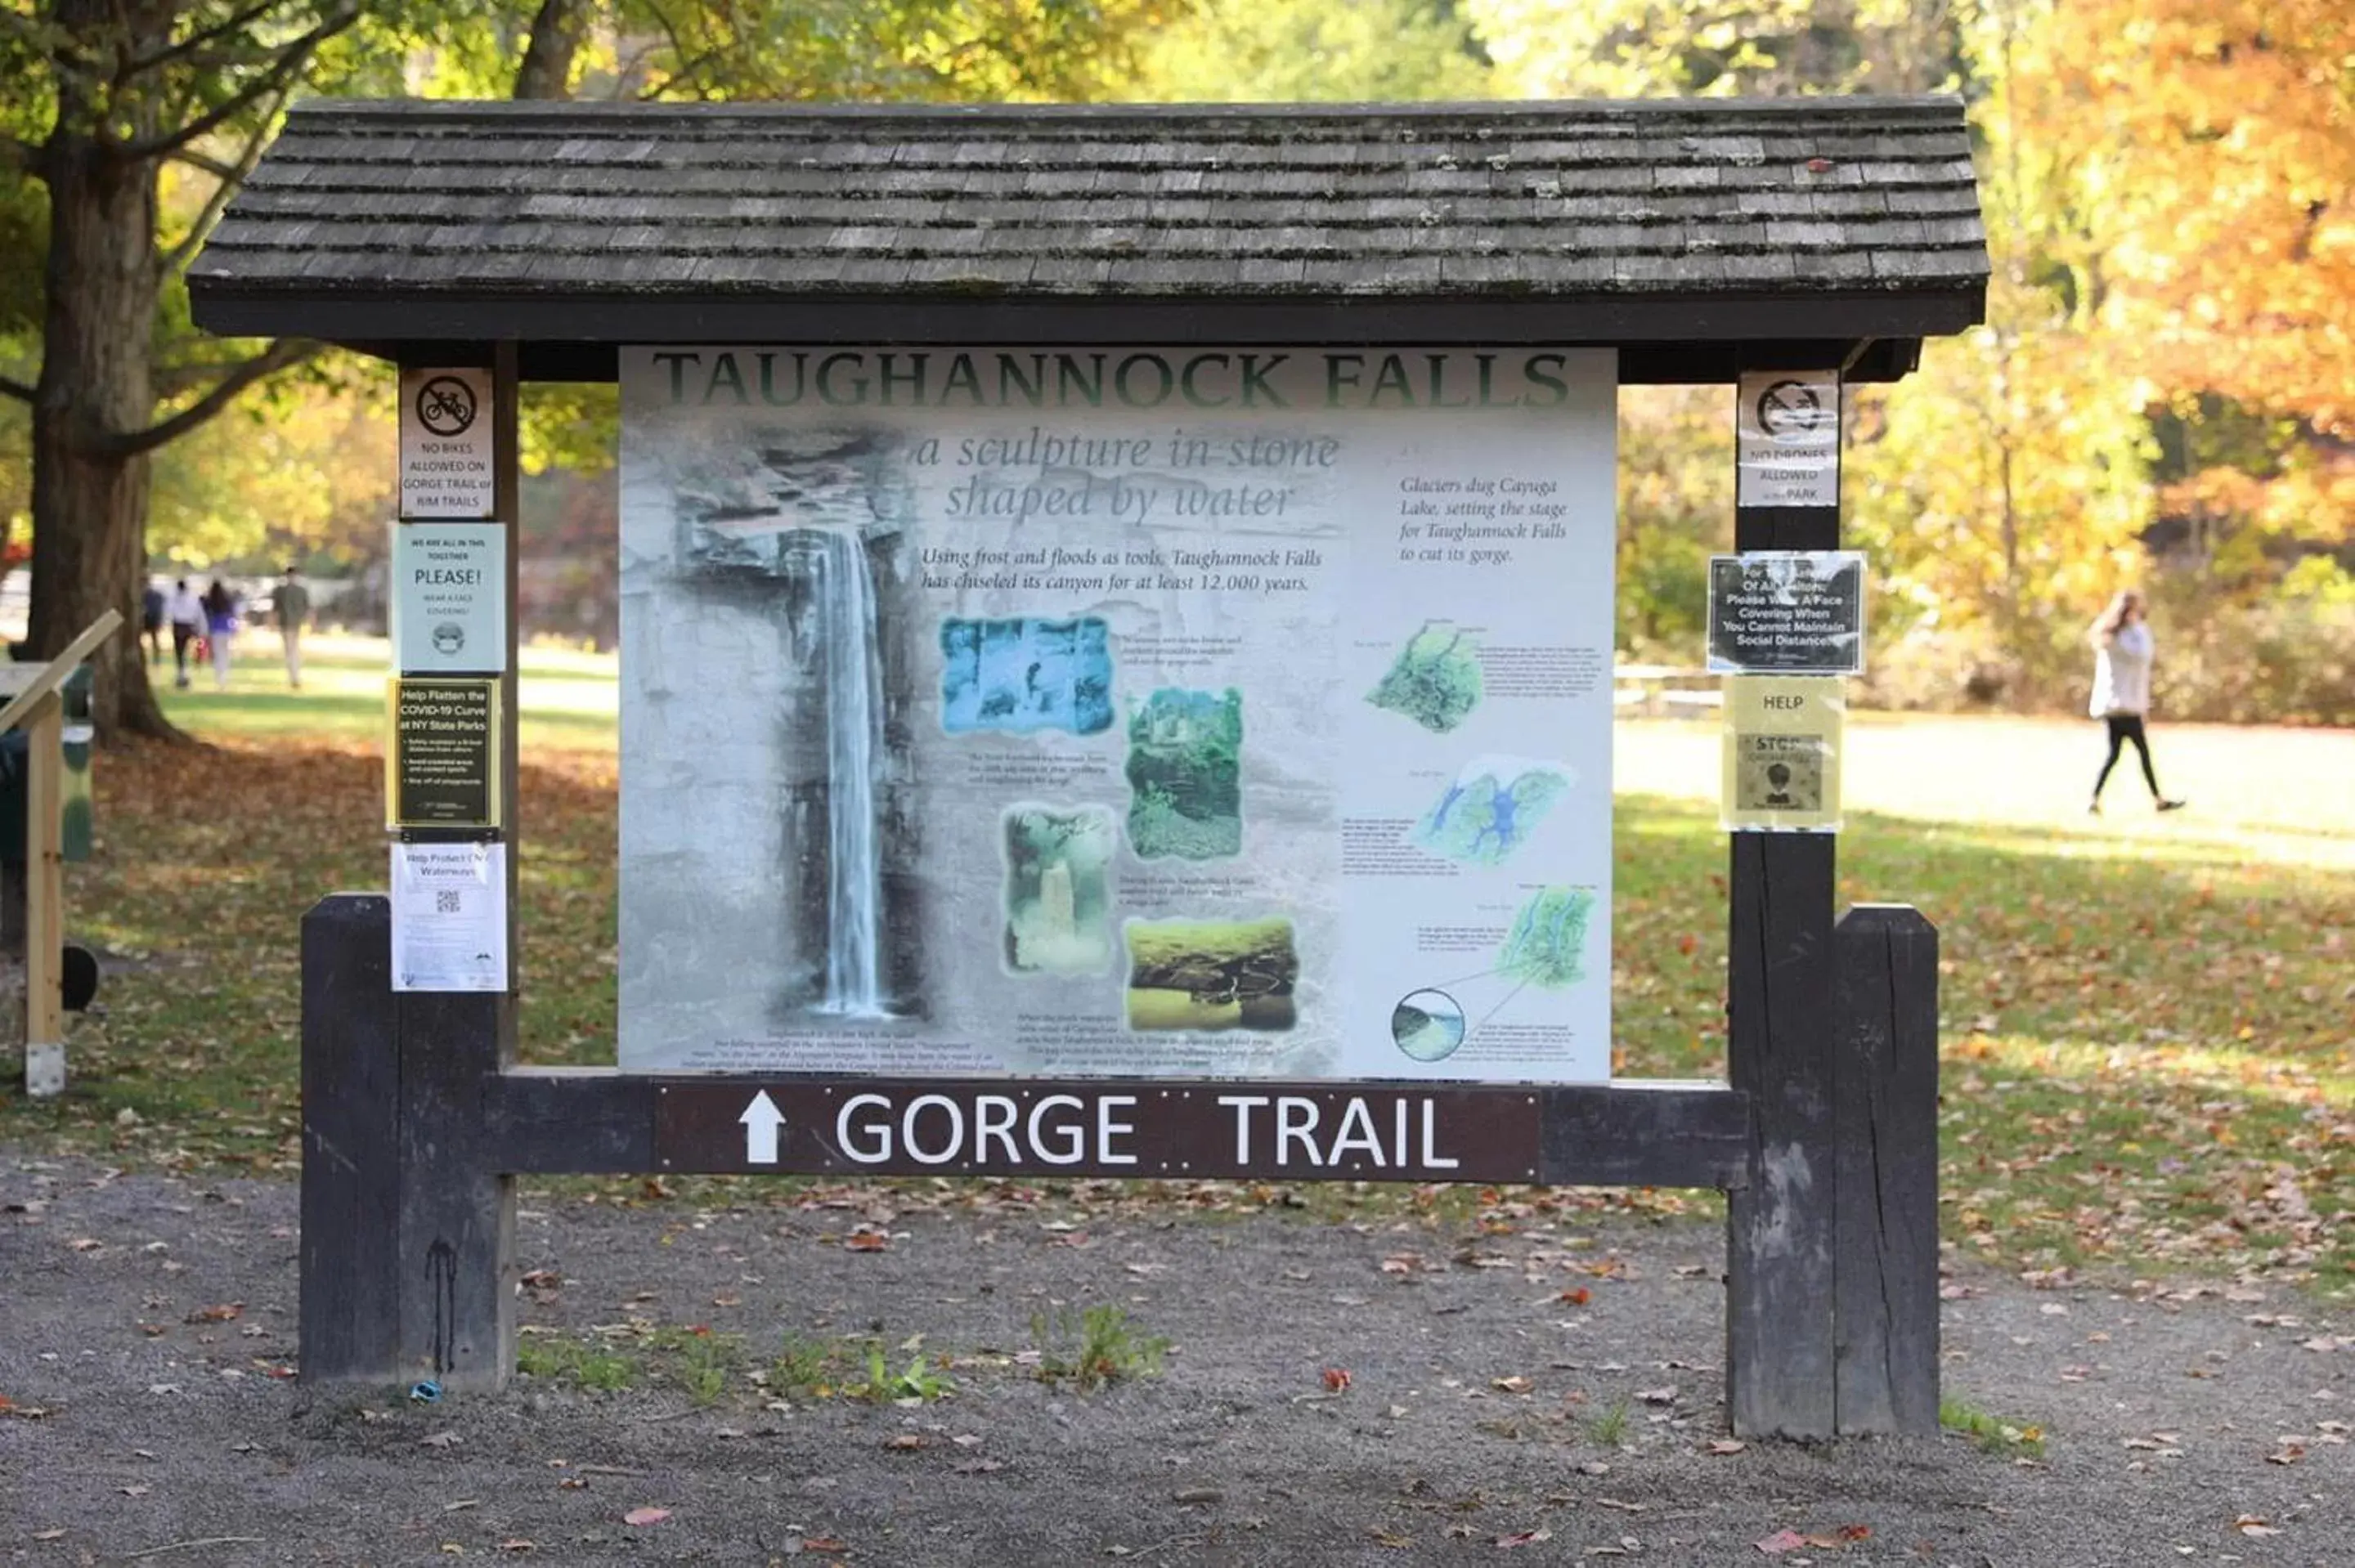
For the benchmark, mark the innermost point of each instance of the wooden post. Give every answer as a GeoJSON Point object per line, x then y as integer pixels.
{"type": "Point", "coordinates": [451, 1221]}
{"type": "Point", "coordinates": [40, 710]}
{"type": "Point", "coordinates": [1885, 1123]}
{"type": "Point", "coordinates": [45, 898]}
{"type": "Point", "coordinates": [1779, 1037]}
{"type": "Point", "coordinates": [349, 1273]}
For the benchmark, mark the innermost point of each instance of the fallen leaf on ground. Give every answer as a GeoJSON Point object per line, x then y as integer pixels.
{"type": "Point", "coordinates": [1657, 1395]}
{"type": "Point", "coordinates": [1389, 1538]}
{"type": "Point", "coordinates": [1577, 1296]}
{"type": "Point", "coordinates": [1337, 1380]}
{"type": "Point", "coordinates": [1782, 1540]}
{"type": "Point", "coordinates": [646, 1515]}
{"type": "Point", "coordinates": [1524, 1538]}
{"type": "Point", "coordinates": [1511, 1384]}
{"type": "Point", "coordinates": [904, 1441]}
{"type": "Point", "coordinates": [1724, 1445]}
{"type": "Point", "coordinates": [864, 1240]}
{"type": "Point", "coordinates": [440, 1440]}
{"type": "Point", "coordinates": [225, 1312]}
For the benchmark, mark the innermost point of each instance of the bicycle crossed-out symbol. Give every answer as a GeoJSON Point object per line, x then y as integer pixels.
{"type": "Point", "coordinates": [445, 406]}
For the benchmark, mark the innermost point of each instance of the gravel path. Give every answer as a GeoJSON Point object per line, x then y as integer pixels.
{"type": "Point", "coordinates": [147, 1327]}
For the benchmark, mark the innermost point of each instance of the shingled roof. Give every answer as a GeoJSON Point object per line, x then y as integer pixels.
{"type": "Point", "coordinates": [1685, 232]}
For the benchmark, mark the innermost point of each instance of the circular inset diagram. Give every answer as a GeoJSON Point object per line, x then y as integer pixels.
{"type": "Point", "coordinates": [1428, 1026]}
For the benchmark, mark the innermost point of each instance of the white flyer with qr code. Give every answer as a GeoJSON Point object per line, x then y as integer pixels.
{"type": "Point", "coordinates": [450, 916]}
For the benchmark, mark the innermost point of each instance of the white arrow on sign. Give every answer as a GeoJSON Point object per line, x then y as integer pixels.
{"type": "Point", "coordinates": [761, 1119]}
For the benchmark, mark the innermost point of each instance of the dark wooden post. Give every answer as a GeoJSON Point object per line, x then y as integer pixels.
{"type": "Point", "coordinates": [1885, 1122]}
{"type": "Point", "coordinates": [349, 1267]}
{"type": "Point", "coordinates": [1780, 984]}
{"type": "Point", "coordinates": [407, 1223]}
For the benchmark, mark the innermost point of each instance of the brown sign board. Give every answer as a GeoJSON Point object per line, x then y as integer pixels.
{"type": "Point", "coordinates": [1099, 1128]}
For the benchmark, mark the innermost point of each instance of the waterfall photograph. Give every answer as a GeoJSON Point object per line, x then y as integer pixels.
{"type": "Point", "coordinates": [788, 554]}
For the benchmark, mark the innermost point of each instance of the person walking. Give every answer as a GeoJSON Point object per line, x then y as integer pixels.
{"type": "Point", "coordinates": [291, 605]}
{"type": "Point", "coordinates": [185, 611]}
{"type": "Point", "coordinates": [150, 620]}
{"type": "Point", "coordinates": [2123, 652]}
{"type": "Point", "coordinates": [220, 626]}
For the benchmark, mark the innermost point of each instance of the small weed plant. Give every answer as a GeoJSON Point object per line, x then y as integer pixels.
{"type": "Point", "coordinates": [1608, 1428]}
{"type": "Point", "coordinates": [1094, 1348]}
{"type": "Point", "coordinates": [589, 1366]}
{"type": "Point", "coordinates": [1991, 1433]}
{"type": "Point", "coordinates": [919, 1381]}
{"type": "Point", "coordinates": [704, 1360]}
{"type": "Point", "coordinates": [853, 1369]}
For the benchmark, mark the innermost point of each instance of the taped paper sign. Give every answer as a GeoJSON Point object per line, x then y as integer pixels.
{"type": "Point", "coordinates": [1782, 751]}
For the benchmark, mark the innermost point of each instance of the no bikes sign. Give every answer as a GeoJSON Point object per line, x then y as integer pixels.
{"type": "Point", "coordinates": [445, 443]}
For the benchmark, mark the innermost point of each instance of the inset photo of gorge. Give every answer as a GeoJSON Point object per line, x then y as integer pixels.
{"type": "Point", "coordinates": [1211, 974]}
{"type": "Point", "coordinates": [1058, 901]}
{"type": "Point", "coordinates": [1184, 772]}
{"type": "Point", "coordinates": [1023, 673]}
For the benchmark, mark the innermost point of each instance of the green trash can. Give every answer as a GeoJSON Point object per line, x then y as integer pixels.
{"type": "Point", "coordinates": [74, 785]}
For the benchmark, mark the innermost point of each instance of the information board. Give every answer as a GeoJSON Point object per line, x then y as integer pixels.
{"type": "Point", "coordinates": [1181, 712]}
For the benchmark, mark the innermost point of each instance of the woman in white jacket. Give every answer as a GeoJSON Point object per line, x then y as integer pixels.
{"type": "Point", "coordinates": [2122, 657]}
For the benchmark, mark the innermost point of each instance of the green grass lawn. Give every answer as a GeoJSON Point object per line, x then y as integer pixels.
{"type": "Point", "coordinates": [2147, 1058]}
{"type": "Point", "coordinates": [569, 696]}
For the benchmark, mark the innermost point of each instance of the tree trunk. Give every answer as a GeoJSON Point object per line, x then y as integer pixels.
{"type": "Point", "coordinates": [548, 54]}
{"type": "Point", "coordinates": [89, 504]}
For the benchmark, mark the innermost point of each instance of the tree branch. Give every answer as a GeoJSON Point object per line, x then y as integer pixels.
{"type": "Point", "coordinates": [15, 389]}
{"type": "Point", "coordinates": [290, 60]}
{"type": "Point", "coordinates": [230, 178]}
{"type": "Point", "coordinates": [196, 41]}
{"type": "Point", "coordinates": [286, 350]}
{"type": "Point", "coordinates": [203, 161]}
{"type": "Point", "coordinates": [20, 155]}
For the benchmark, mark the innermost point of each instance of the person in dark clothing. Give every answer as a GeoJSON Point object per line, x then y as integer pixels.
{"type": "Point", "coordinates": [151, 621]}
